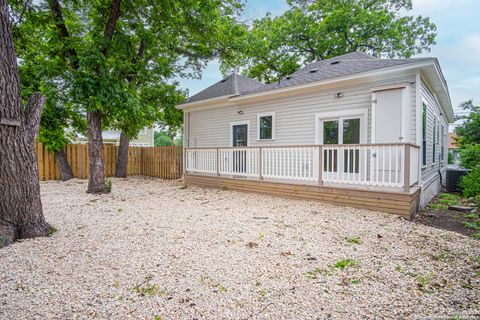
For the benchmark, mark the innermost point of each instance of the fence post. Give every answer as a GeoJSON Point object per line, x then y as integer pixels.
{"type": "Point", "coordinates": [406, 168]}
{"type": "Point", "coordinates": [260, 164]}
{"type": "Point", "coordinates": [218, 163]}
{"type": "Point", "coordinates": [320, 165]}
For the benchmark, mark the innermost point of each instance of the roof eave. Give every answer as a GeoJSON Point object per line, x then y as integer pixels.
{"type": "Point", "coordinates": [199, 103]}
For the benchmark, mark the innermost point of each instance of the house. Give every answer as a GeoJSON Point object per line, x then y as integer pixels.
{"type": "Point", "coordinates": [453, 148]}
{"type": "Point", "coordinates": [145, 138]}
{"type": "Point", "coordinates": [354, 130]}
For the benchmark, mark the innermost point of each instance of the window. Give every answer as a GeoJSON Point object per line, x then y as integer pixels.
{"type": "Point", "coordinates": [424, 134]}
{"type": "Point", "coordinates": [143, 131]}
{"type": "Point", "coordinates": [266, 126]}
{"type": "Point", "coordinates": [442, 155]}
{"type": "Point", "coordinates": [434, 138]}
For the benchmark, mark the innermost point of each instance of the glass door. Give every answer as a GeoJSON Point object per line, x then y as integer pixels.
{"type": "Point", "coordinates": [240, 139]}
{"type": "Point", "coordinates": [341, 131]}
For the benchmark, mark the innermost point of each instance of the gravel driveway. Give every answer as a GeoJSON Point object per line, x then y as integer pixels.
{"type": "Point", "coordinates": [152, 250]}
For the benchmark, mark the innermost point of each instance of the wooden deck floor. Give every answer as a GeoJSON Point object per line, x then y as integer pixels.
{"type": "Point", "coordinates": [389, 200]}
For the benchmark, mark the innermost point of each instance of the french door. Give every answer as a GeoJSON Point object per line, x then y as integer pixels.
{"type": "Point", "coordinates": [341, 131]}
{"type": "Point", "coordinates": [240, 139]}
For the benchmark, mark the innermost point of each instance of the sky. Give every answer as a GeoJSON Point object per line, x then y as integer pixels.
{"type": "Point", "coordinates": [457, 48]}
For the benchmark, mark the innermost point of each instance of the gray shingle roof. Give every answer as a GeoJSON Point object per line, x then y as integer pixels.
{"type": "Point", "coordinates": [234, 84]}
{"type": "Point", "coordinates": [344, 65]}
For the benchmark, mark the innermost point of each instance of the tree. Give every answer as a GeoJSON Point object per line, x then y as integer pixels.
{"type": "Point", "coordinates": [156, 104]}
{"type": "Point", "coordinates": [103, 54]}
{"type": "Point", "coordinates": [21, 214]}
{"type": "Point", "coordinates": [468, 132]}
{"type": "Point", "coordinates": [319, 29]}
{"type": "Point", "coordinates": [162, 139]}
{"type": "Point", "coordinates": [468, 135]}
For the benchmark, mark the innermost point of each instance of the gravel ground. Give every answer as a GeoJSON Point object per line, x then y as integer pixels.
{"type": "Point", "coordinates": [154, 250]}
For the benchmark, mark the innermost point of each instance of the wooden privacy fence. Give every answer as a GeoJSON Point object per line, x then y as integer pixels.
{"type": "Point", "coordinates": [161, 162]}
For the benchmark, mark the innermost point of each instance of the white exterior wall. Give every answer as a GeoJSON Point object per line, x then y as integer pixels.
{"type": "Point", "coordinates": [429, 173]}
{"type": "Point", "coordinates": [294, 116]}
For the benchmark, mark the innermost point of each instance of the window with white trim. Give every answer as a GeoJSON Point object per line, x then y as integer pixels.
{"type": "Point", "coordinates": [266, 126]}
{"type": "Point", "coordinates": [435, 139]}
{"type": "Point", "coordinates": [442, 147]}
{"type": "Point", "coordinates": [143, 131]}
{"type": "Point", "coordinates": [424, 134]}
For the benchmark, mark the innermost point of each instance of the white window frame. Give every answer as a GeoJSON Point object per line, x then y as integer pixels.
{"type": "Point", "coordinates": [340, 116]}
{"type": "Point", "coordinates": [143, 131]}
{"type": "Point", "coordinates": [236, 123]}
{"type": "Point", "coordinates": [266, 114]}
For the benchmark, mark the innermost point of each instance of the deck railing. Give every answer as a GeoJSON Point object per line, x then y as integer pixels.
{"type": "Point", "coordinates": [388, 165]}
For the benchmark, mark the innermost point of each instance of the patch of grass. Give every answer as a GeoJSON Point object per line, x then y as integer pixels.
{"type": "Point", "coordinates": [449, 199]}
{"type": "Point", "coordinates": [315, 272]}
{"type": "Point", "coordinates": [155, 317]}
{"type": "Point", "coordinates": [148, 289]}
{"type": "Point", "coordinates": [356, 281]}
{"type": "Point", "coordinates": [261, 235]}
{"type": "Point", "coordinates": [345, 263]}
{"type": "Point", "coordinates": [51, 231]}
{"type": "Point", "coordinates": [437, 206]}
{"type": "Point", "coordinates": [224, 188]}
{"type": "Point", "coordinates": [354, 240]}
{"type": "Point", "coordinates": [108, 185]}
{"type": "Point", "coordinates": [398, 267]}
{"type": "Point", "coordinates": [475, 225]}
{"type": "Point", "coordinates": [202, 280]}
{"type": "Point", "coordinates": [222, 288]}
{"type": "Point", "coordinates": [443, 256]}
{"type": "Point", "coordinates": [424, 284]}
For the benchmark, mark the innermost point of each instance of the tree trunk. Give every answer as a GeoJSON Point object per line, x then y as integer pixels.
{"type": "Point", "coordinates": [21, 214]}
{"type": "Point", "coordinates": [66, 172]}
{"type": "Point", "coordinates": [122, 156]}
{"type": "Point", "coordinates": [96, 178]}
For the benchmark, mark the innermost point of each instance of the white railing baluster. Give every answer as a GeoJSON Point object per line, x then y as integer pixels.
{"type": "Point", "coordinates": [375, 165]}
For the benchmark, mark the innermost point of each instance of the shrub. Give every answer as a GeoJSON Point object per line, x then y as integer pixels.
{"type": "Point", "coordinates": [470, 156]}
{"type": "Point", "coordinates": [451, 159]}
{"type": "Point", "coordinates": [470, 184]}
{"type": "Point", "coordinates": [108, 185]}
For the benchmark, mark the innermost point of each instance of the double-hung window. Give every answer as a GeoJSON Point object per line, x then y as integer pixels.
{"type": "Point", "coordinates": [266, 126]}
{"type": "Point", "coordinates": [442, 147]}
{"type": "Point", "coordinates": [435, 138]}
{"type": "Point", "coordinates": [424, 134]}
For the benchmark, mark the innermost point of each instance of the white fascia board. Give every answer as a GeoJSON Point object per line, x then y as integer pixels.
{"type": "Point", "coordinates": [213, 102]}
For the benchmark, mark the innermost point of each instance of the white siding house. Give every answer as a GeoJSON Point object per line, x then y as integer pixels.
{"type": "Point", "coordinates": [353, 121]}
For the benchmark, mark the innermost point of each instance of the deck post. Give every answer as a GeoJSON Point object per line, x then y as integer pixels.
{"type": "Point", "coordinates": [218, 163]}
{"type": "Point", "coordinates": [320, 165]}
{"type": "Point", "coordinates": [406, 168]}
{"type": "Point", "coordinates": [260, 167]}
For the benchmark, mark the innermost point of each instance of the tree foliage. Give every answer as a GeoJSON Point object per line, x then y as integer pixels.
{"type": "Point", "coordinates": [319, 29]}
{"type": "Point", "coordinates": [127, 76]}
{"type": "Point", "coordinates": [162, 139]}
{"type": "Point", "coordinates": [468, 132]}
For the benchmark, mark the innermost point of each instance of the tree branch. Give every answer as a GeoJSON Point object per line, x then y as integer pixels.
{"type": "Point", "coordinates": [32, 113]}
{"type": "Point", "coordinates": [111, 24]}
{"type": "Point", "coordinates": [71, 54]}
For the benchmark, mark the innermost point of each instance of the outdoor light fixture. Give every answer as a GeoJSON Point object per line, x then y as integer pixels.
{"type": "Point", "coordinates": [240, 112]}
{"type": "Point", "coordinates": [339, 95]}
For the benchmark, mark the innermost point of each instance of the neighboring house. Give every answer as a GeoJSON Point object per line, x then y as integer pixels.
{"type": "Point", "coordinates": [353, 130]}
{"type": "Point", "coordinates": [144, 138]}
{"type": "Point", "coordinates": [452, 147]}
